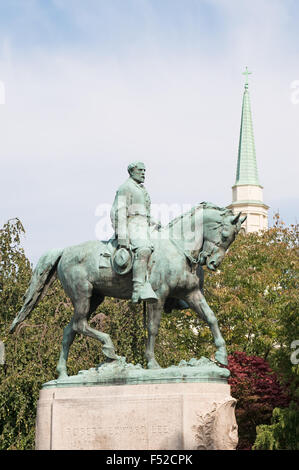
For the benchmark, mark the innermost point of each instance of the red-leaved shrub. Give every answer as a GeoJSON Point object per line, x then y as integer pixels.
{"type": "Point", "coordinates": [258, 391]}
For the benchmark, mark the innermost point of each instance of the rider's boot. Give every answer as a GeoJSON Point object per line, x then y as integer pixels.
{"type": "Point", "coordinates": [142, 290]}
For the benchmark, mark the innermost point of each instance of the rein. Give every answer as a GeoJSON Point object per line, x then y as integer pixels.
{"type": "Point", "coordinates": [206, 252]}
{"type": "Point", "coordinates": [189, 257]}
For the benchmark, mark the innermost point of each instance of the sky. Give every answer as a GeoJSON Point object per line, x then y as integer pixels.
{"type": "Point", "coordinates": [88, 87]}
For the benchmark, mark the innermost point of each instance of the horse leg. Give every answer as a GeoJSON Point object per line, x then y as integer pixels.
{"type": "Point", "coordinates": [80, 325]}
{"type": "Point", "coordinates": [68, 338]}
{"type": "Point", "coordinates": [153, 323]}
{"type": "Point", "coordinates": [199, 304]}
{"type": "Point", "coordinates": [69, 335]}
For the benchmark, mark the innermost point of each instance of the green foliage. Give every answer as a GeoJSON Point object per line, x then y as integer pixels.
{"type": "Point", "coordinates": [15, 271]}
{"type": "Point", "coordinates": [254, 295]}
{"type": "Point", "coordinates": [282, 434]}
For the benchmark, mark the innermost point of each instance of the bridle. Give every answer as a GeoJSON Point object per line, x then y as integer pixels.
{"type": "Point", "coordinates": [209, 246]}
{"type": "Point", "coordinates": [207, 249]}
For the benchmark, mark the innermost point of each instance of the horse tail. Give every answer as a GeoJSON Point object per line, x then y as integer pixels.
{"type": "Point", "coordinates": [43, 276]}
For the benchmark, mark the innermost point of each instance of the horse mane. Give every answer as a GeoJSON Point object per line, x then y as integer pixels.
{"type": "Point", "coordinates": [205, 205]}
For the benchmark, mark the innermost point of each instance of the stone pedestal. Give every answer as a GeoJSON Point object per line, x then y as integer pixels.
{"type": "Point", "coordinates": [174, 416]}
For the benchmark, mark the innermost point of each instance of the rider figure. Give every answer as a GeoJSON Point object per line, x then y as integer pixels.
{"type": "Point", "coordinates": [131, 220]}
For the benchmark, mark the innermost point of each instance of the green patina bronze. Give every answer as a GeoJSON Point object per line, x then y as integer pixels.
{"type": "Point", "coordinates": [119, 372]}
{"type": "Point", "coordinates": [132, 221]}
{"type": "Point", "coordinates": [143, 262]}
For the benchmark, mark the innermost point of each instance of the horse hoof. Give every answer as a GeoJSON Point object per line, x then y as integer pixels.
{"type": "Point", "coordinates": [153, 365]}
{"type": "Point", "coordinates": [221, 357]}
{"type": "Point", "coordinates": [62, 376]}
{"type": "Point", "coordinates": [109, 353]}
{"type": "Point", "coordinates": [110, 361]}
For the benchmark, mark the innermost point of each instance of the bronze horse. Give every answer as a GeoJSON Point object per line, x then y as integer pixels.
{"type": "Point", "coordinates": [199, 237]}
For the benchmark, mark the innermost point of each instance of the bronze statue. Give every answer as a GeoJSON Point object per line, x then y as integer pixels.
{"type": "Point", "coordinates": [166, 270]}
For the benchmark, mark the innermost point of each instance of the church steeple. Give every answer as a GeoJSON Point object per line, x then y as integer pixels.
{"type": "Point", "coordinates": [247, 191]}
{"type": "Point", "coordinates": [246, 167]}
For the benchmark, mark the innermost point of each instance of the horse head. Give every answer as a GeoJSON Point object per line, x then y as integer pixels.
{"type": "Point", "coordinates": [220, 227]}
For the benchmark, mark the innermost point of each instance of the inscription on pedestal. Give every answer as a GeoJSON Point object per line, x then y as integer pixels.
{"type": "Point", "coordinates": [123, 427]}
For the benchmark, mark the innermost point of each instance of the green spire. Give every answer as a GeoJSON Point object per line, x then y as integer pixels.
{"type": "Point", "coordinates": [247, 167]}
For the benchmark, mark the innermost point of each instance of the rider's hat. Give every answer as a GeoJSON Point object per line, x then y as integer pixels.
{"type": "Point", "coordinates": [122, 261]}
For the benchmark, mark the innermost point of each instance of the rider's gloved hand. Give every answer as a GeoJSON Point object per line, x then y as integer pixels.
{"type": "Point", "coordinates": [156, 224]}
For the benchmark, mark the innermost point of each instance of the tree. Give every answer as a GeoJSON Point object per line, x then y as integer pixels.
{"type": "Point", "coordinates": [255, 296]}
{"type": "Point", "coordinates": [282, 433]}
{"type": "Point", "coordinates": [15, 270]}
{"type": "Point", "coordinates": [258, 391]}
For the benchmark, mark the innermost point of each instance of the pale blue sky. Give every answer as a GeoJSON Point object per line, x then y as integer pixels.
{"type": "Point", "coordinates": [110, 26]}
{"type": "Point", "coordinates": [92, 85]}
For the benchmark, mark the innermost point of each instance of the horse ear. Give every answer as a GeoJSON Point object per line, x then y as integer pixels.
{"type": "Point", "coordinates": [235, 218]}
{"type": "Point", "coordinates": [242, 219]}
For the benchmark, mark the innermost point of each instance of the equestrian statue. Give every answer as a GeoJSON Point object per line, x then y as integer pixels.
{"type": "Point", "coordinates": [143, 262]}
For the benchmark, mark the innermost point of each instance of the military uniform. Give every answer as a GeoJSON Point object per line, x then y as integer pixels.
{"type": "Point", "coordinates": [130, 217]}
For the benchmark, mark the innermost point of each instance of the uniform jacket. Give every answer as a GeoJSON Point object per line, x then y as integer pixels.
{"type": "Point", "coordinates": [131, 201]}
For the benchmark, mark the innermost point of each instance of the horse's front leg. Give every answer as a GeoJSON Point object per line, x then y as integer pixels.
{"type": "Point", "coordinates": [154, 312]}
{"type": "Point", "coordinates": [199, 304]}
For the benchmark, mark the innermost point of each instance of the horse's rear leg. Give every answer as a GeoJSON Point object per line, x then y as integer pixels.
{"type": "Point", "coordinates": [69, 335]}
{"type": "Point", "coordinates": [80, 325]}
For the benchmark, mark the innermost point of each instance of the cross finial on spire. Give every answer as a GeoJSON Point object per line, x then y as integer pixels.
{"type": "Point", "coordinates": [246, 73]}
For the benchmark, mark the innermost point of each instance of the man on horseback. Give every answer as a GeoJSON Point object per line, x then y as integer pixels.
{"type": "Point", "coordinates": [131, 220]}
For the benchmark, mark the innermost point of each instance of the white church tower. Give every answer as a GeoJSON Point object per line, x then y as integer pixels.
{"type": "Point", "coordinates": [247, 191]}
